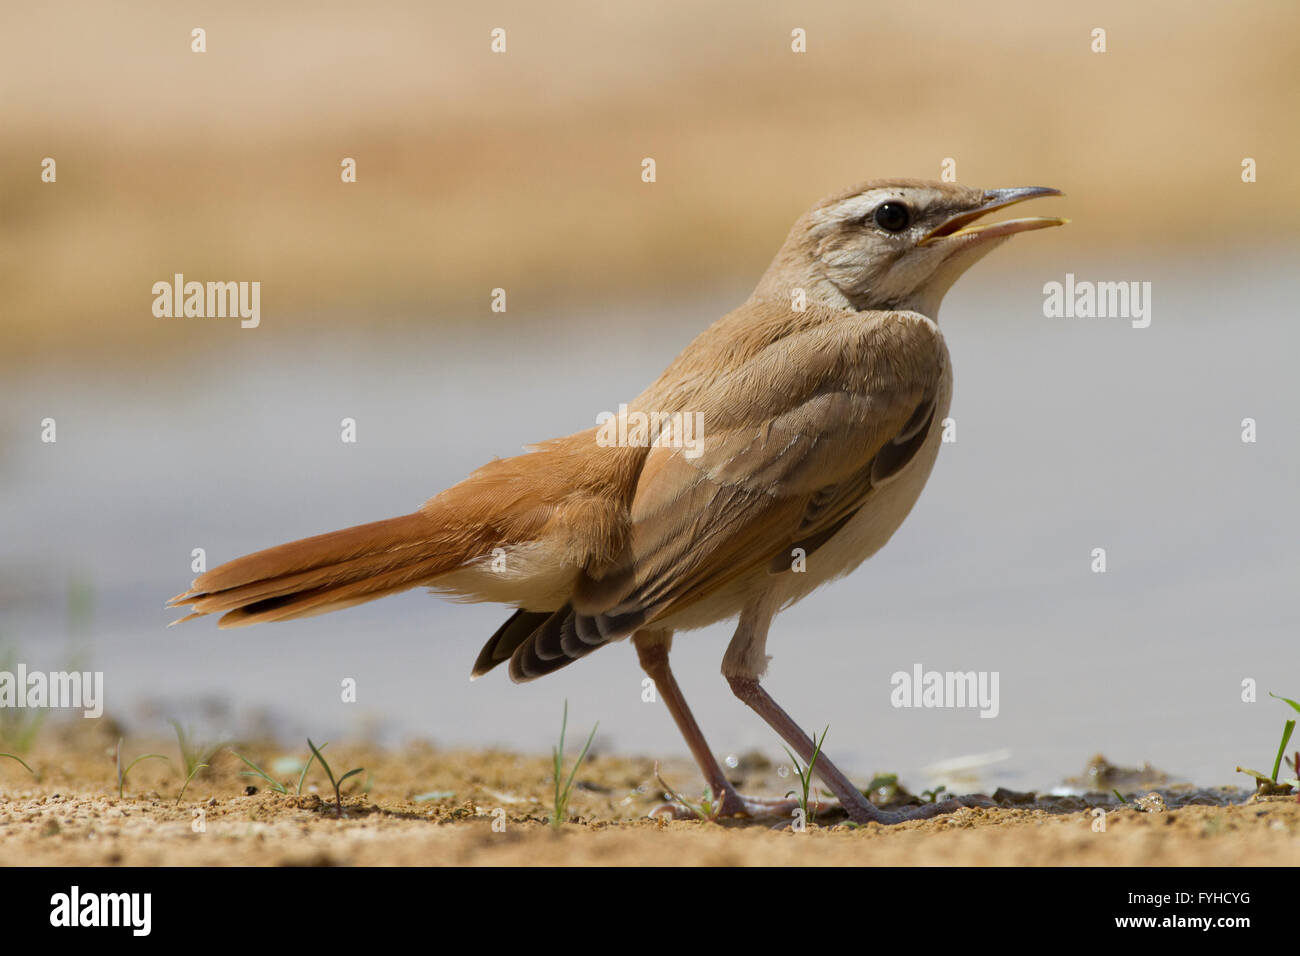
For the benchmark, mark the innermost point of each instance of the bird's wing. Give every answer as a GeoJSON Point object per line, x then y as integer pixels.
{"type": "Point", "coordinates": [793, 440]}
{"type": "Point", "coordinates": [811, 425]}
{"type": "Point", "coordinates": [828, 415]}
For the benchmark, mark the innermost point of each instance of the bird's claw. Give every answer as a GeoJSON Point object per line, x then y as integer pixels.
{"type": "Point", "coordinates": [736, 805]}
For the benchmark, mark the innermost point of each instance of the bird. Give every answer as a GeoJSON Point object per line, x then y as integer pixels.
{"type": "Point", "coordinates": [815, 413]}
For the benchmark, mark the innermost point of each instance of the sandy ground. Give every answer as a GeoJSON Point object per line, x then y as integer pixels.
{"type": "Point", "coordinates": [420, 806]}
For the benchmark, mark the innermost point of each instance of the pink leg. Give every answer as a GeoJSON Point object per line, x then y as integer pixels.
{"type": "Point", "coordinates": [652, 648]}
{"type": "Point", "coordinates": [858, 807]}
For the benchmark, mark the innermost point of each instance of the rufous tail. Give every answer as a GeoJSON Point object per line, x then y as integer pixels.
{"type": "Point", "coordinates": [324, 573]}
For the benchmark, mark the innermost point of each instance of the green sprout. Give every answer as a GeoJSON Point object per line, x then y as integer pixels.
{"type": "Point", "coordinates": [121, 773]}
{"type": "Point", "coordinates": [274, 784]}
{"type": "Point", "coordinates": [307, 766]}
{"type": "Point", "coordinates": [565, 790]}
{"type": "Point", "coordinates": [1269, 783]}
{"type": "Point", "coordinates": [338, 798]}
{"type": "Point", "coordinates": [181, 796]}
{"type": "Point", "coordinates": [1287, 730]}
{"type": "Point", "coordinates": [806, 774]}
{"type": "Point", "coordinates": [23, 762]}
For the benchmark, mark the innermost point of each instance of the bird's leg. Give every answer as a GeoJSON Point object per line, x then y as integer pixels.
{"type": "Point", "coordinates": [858, 807]}
{"type": "Point", "coordinates": [745, 662]}
{"type": "Point", "coordinates": [652, 648]}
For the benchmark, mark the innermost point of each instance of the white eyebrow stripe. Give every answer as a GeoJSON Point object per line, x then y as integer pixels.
{"type": "Point", "coordinates": [859, 206]}
{"type": "Point", "coordinates": [855, 207]}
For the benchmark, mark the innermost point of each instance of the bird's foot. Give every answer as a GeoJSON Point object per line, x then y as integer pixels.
{"type": "Point", "coordinates": [728, 803]}
{"type": "Point", "coordinates": [783, 809]}
{"type": "Point", "coordinates": [736, 805]}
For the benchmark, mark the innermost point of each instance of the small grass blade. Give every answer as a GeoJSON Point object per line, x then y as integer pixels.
{"type": "Point", "coordinates": [307, 766]}
{"type": "Point", "coordinates": [181, 796]}
{"type": "Point", "coordinates": [351, 773]}
{"type": "Point", "coordinates": [1294, 705]}
{"type": "Point", "coordinates": [563, 792]}
{"type": "Point", "coordinates": [274, 784]}
{"type": "Point", "coordinates": [338, 797]}
{"type": "Point", "coordinates": [121, 774]}
{"type": "Point", "coordinates": [21, 761]}
{"type": "Point", "coordinates": [1286, 737]}
{"type": "Point", "coordinates": [805, 774]}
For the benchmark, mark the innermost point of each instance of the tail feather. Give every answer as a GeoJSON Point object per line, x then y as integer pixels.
{"type": "Point", "coordinates": [332, 575]}
{"type": "Point", "coordinates": [318, 551]}
{"type": "Point", "coordinates": [325, 572]}
{"type": "Point", "coordinates": [306, 603]}
{"type": "Point", "coordinates": [557, 497]}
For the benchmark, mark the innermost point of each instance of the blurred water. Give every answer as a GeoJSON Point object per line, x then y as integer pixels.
{"type": "Point", "coordinates": [1072, 434]}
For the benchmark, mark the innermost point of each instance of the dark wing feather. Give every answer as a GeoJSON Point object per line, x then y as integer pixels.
{"type": "Point", "coordinates": [507, 638]}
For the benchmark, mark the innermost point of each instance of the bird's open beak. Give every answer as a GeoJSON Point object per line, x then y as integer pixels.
{"type": "Point", "coordinates": [962, 225]}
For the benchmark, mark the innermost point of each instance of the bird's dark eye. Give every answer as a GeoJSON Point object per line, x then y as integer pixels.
{"type": "Point", "coordinates": [892, 216]}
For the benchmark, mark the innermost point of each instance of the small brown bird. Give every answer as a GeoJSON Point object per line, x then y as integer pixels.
{"type": "Point", "coordinates": [781, 449]}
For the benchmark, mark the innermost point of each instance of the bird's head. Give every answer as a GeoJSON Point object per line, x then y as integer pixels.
{"type": "Point", "coordinates": [894, 244]}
